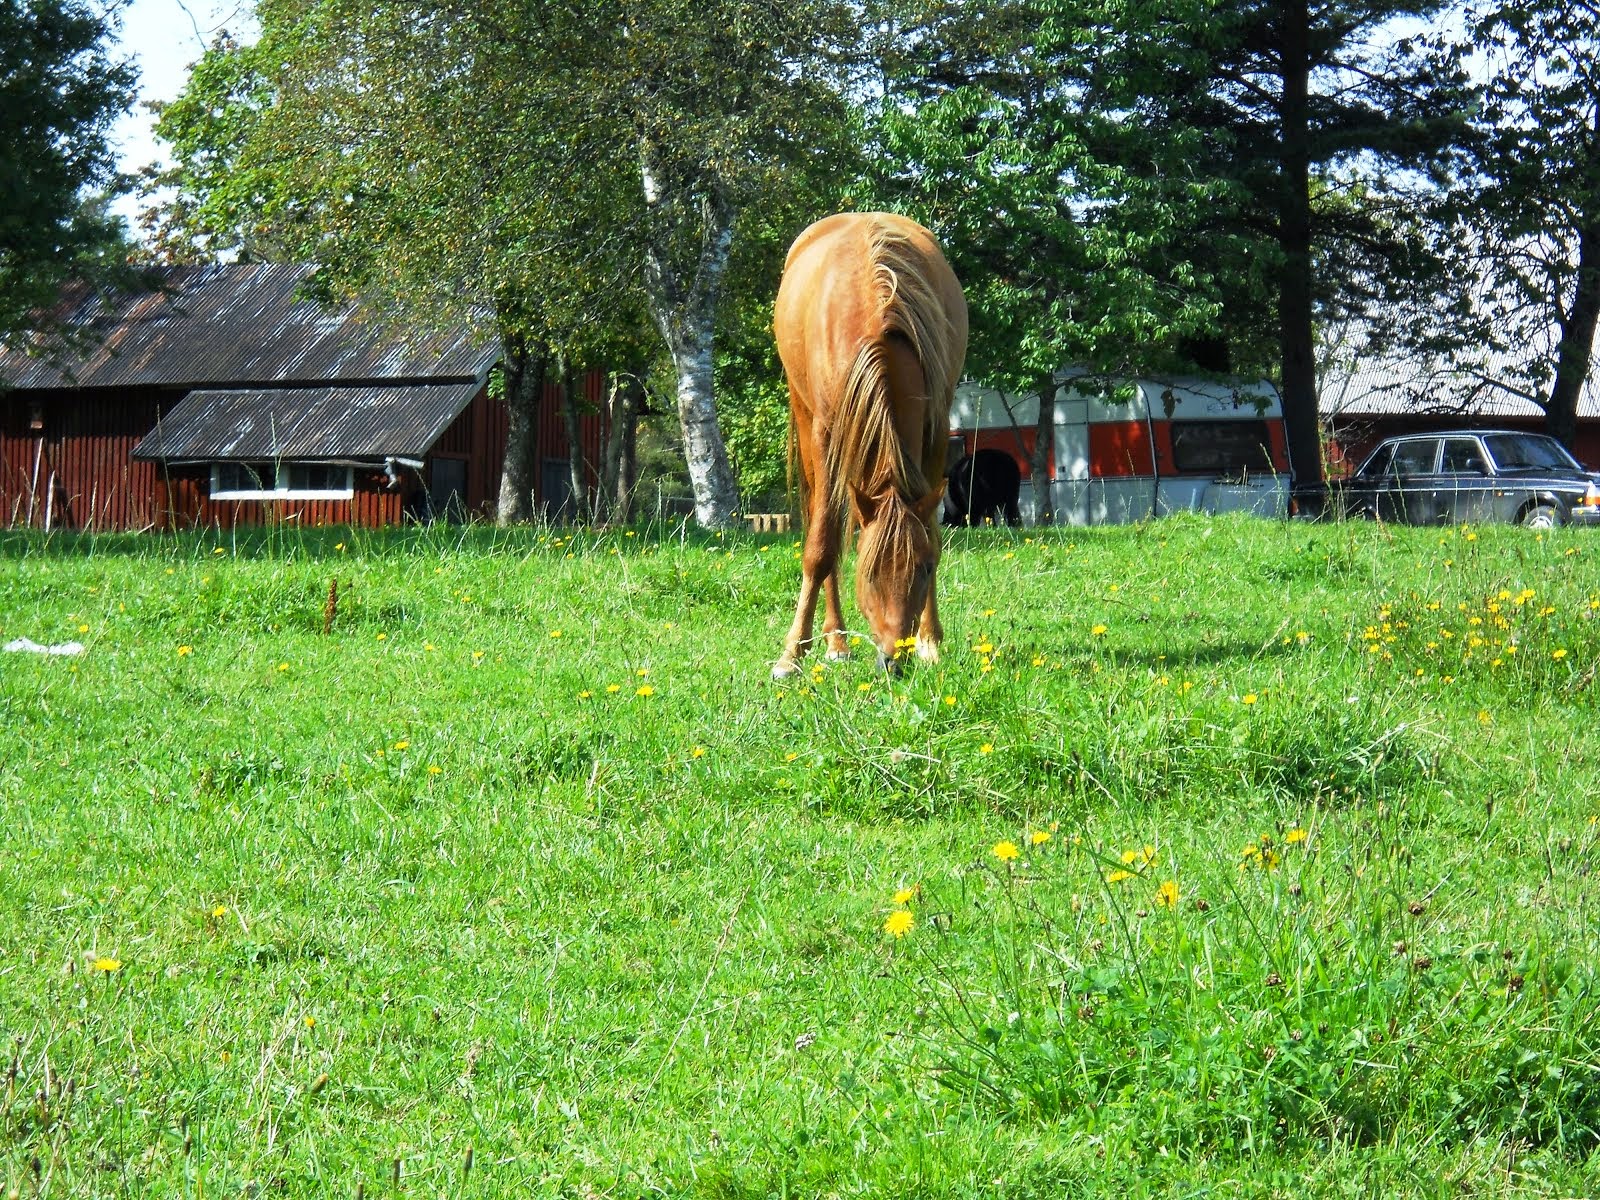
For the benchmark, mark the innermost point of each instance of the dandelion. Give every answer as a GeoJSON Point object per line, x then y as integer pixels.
{"type": "Point", "coordinates": [555, 633]}
{"type": "Point", "coordinates": [1039, 837]}
{"type": "Point", "coordinates": [1558, 655]}
{"type": "Point", "coordinates": [219, 550]}
{"type": "Point", "coordinates": [1098, 630]}
{"type": "Point", "coordinates": [185, 651]}
{"type": "Point", "coordinates": [791, 756]}
{"type": "Point", "coordinates": [219, 911]}
{"type": "Point", "coordinates": [106, 965]}
{"type": "Point", "coordinates": [477, 655]}
{"type": "Point", "coordinates": [950, 701]}
{"type": "Point", "coordinates": [642, 672]}
{"type": "Point", "coordinates": [899, 923]}
{"type": "Point", "coordinates": [986, 748]}
{"type": "Point", "coordinates": [863, 687]}
{"type": "Point", "coordinates": [646, 690]}
{"type": "Point", "coordinates": [1167, 894]}
{"type": "Point", "coordinates": [1118, 876]}
{"type": "Point", "coordinates": [1248, 698]}
{"type": "Point", "coordinates": [1294, 836]}
{"type": "Point", "coordinates": [283, 666]}
{"type": "Point", "coordinates": [311, 1022]}
{"type": "Point", "coordinates": [402, 744]}
{"type": "Point", "coordinates": [585, 694]}
{"type": "Point", "coordinates": [435, 769]}
{"type": "Point", "coordinates": [1005, 851]}
{"type": "Point", "coordinates": [698, 752]}
{"type": "Point", "coordinates": [905, 895]}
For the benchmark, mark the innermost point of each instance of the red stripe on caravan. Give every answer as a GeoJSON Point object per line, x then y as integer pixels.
{"type": "Point", "coordinates": [1119, 448]}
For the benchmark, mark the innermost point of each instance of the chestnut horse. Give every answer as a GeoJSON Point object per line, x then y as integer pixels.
{"type": "Point", "coordinates": [872, 330]}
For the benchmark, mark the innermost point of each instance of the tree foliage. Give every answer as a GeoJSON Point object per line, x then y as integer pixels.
{"type": "Point", "coordinates": [60, 90]}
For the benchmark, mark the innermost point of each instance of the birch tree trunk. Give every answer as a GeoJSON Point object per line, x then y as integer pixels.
{"type": "Point", "coordinates": [683, 290]}
{"type": "Point", "coordinates": [524, 371]}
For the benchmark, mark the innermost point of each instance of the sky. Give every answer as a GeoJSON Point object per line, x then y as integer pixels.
{"type": "Point", "coordinates": [164, 37]}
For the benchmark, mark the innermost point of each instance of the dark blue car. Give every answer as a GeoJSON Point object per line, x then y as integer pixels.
{"type": "Point", "coordinates": [1473, 476]}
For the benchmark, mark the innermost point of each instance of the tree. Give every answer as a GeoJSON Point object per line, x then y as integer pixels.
{"type": "Point", "coordinates": [1207, 149]}
{"type": "Point", "coordinates": [60, 90]}
{"type": "Point", "coordinates": [578, 164]}
{"type": "Point", "coordinates": [1529, 218]}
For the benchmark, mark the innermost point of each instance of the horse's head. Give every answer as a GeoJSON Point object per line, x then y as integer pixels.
{"type": "Point", "coordinates": [896, 558]}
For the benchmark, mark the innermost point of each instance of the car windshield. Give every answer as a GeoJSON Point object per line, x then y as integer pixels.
{"type": "Point", "coordinates": [1518, 450]}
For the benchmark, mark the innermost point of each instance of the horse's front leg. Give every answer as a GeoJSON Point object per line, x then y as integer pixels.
{"type": "Point", "coordinates": [929, 632]}
{"type": "Point", "coordinates": [818, 563]}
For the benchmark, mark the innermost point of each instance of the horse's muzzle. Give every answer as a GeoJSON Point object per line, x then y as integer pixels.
{"type": "Point", "coordinates": [891, 665]}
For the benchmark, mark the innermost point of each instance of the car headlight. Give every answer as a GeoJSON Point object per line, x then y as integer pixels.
{"type": "Point", "coordinates": [1591, 496]}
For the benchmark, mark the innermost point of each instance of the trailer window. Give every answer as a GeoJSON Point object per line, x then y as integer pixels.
{"type": "Point", "coordinates": [1221, 447]}
{"type": "Point", "coordinates": [281, 481]}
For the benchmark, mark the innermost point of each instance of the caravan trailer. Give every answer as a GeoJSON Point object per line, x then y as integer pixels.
{"type": "Point", "coordinates": [1181, 445]}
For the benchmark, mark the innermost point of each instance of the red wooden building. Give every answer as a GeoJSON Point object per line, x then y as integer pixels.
{"type": "Point", "coordinates": [226, 398]}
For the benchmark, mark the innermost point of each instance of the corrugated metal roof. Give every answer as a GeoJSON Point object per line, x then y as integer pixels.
{"type": "Point", "coordinates": [239, 325]}
{"type": "Point", "coordinates": [1390, 386]}
{"type": "Point", "coordinates": [307, 423]}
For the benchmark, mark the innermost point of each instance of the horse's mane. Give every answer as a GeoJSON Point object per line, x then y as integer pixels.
{"type": "Point", "coordinates": [864, 447]}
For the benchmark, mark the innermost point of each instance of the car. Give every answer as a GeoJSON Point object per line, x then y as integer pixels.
{"type": "Point", "coordinates": [1470, 475]}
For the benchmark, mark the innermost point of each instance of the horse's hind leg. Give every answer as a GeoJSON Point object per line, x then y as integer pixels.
{"type": "Point", "coordinates": [833, 619]}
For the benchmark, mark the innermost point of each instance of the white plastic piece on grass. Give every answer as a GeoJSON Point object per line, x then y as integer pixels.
{"type": "Point", "coordinates": [28, 646]}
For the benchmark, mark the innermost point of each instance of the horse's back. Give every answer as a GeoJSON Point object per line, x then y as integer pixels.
{"type": "Point", "coordinates": [832, 296]}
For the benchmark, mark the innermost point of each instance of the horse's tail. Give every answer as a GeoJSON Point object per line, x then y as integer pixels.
{"type": "Point", "coordinates": [865, 447]}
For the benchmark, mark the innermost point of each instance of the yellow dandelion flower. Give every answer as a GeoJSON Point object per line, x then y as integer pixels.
{"type": "Point", "coordinates": [1005, 851]}
{"type": "Point", "coordinates": [435, 769]}
{"type": "Point", "coordinates": [863, 687]}
{"type": "Point", "coordinates": [986, 748]}
{"type": "Point", "coordinates": [477, 655]}
{"type": "Point", "coordinates": [1167, 894]}
{"type": "Point", "coordinates": [905, 895]}
{"type": "Point", "coordinates": [642, 672]}
{"type": "Point", "coordinates": [585, 694]}
{"type": "Point", "coordinates": [698, 752]}
{"type": "Point", "coordinates": [283, 666]}
{"type": "Point", "coordinates": [1039, 837]}
{"type": "Point", "coordinates": [646, 690]}
{"type": "Point", "coordinates": [555, 633]}
{"type": "Point", "coordinates": [185, 651]}
{"type": "Point", "coordinates": [220, 910]}
{"type": "Point", "coordinates": [1248, 698]}
{"type": "Point", "coordinates": [899, 923]}
{"type": "Point", "coordinates": [950, 701]}
{"type": "Point", "coordinates": [1294, 836]}
{"type": "Point", "coordinates": [402, 744]}
{"type": "Point", "coordinates": [311, 1022]}
{"type": "Point", "coordinates": [106, 965]}
{"type": "Point", "coordinates": [1098, 630]}
{"type": "Point", "coordinates": [1118, 876]}
{"type": "Point", "coordinates": [1129, 857]}
{"type": "Point", "coordinates": [1558, 654]}
{"type": "Point", "coordinates": [791, 756]}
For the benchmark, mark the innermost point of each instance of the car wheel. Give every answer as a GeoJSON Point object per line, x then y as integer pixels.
{"type": "Point", "coordinates": [1542, 516]}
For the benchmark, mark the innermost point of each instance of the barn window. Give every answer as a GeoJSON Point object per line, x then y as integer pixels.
{"type": "Point", "coordinates": [281, 481]}
{"type": "Point", "coordinates": [1221, 447]}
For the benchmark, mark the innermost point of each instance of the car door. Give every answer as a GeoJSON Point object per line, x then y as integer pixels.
{"type": "Point", "coordinates": [1413, 482]}
{"type": "Point", "coordinates": [1465, 491]}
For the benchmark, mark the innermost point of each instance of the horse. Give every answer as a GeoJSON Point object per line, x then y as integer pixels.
{"type": "Point", "coordinates": [871, 326]}
{"type": "Point", "coordinates": [979, 488]}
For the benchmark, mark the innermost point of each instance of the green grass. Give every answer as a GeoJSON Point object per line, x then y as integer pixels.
{"type": "Point", "coordinates": [528, 860]}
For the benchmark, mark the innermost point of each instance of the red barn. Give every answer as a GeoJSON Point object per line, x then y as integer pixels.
{"type": "Point", "coordinates": [226, 398]}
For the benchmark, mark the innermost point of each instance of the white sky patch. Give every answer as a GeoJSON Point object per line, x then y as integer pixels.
{"type": "Point", "coordinates": [165, 38]}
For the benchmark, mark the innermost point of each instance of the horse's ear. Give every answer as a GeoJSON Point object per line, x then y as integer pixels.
{"type": "Point", "coordinates": [864, 506]}
{"type": "Point", "coordinates": [929, 504]}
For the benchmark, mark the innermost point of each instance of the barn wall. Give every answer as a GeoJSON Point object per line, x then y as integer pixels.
{"type": "Point", "coordinates": [181, 495]}
{"type": "Point", "coordinates": [78, 472]}
{"type": "Point", "coordinates": [479, 436]}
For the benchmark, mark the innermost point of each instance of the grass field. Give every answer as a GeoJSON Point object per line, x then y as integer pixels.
{"type": "Point", "coordinates": [1227, 858]}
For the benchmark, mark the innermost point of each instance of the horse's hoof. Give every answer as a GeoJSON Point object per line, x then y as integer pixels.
{"type": "Point", "coordinates": [838, 656]}
{"type": "Point", "coordinates": [784, 668]}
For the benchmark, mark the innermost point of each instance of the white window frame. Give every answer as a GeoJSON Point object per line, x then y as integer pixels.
{"type": "Point", "coordinates": [285, 492]}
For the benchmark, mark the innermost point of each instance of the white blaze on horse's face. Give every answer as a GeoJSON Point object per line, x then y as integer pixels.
{"type": "Point", "coordinates": [897, 557]}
